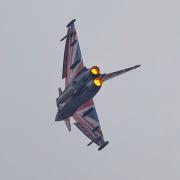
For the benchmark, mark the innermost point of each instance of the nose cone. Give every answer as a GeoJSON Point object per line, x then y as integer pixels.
{"type": "Point", "coordinates": [59, 116]}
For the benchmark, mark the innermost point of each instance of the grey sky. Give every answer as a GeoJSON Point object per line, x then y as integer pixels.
{"type": "Point", "coordinates": [139, 111]}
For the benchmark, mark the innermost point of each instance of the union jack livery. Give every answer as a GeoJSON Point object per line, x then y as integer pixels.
{"type": "Point", "coordinates": [81, 85]}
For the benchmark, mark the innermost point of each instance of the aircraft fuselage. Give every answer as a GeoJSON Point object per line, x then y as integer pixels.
{"type": "Point", "coordinates": [80, 90]}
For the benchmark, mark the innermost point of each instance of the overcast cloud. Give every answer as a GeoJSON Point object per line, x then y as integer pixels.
{"type": "Point", "coordinates": [139, 111]}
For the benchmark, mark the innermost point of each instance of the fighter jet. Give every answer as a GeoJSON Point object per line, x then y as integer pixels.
{"type": "Point", "coordinates": [81, 85]}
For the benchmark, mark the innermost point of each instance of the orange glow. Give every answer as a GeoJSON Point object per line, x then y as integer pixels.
{"type": "Point", "coordinates": [98, 81]}
{"type": "Point", "coordinates": [95, 70]}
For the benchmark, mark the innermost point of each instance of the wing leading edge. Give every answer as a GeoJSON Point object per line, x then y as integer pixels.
{"type": "Point", "coordinates": [73, 62]}
{"type": "Point", "coordinates": [87, 121]}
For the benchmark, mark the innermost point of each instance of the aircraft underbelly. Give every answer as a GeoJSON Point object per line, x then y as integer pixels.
{"type": "Point", "coordinates": [74, 102]}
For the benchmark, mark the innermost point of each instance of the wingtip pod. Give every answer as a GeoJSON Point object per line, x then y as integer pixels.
{"type": "Point", "coordinates": [68, 25]}
{"type": "Point", "coordinates": [101, 147]}
{"type": "Point", "coordinates": [71, 22]}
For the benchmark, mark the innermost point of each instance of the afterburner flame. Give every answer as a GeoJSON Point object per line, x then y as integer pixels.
{"type": "Point", "coordinates": [98, 81]}
{"type": "Point", "coordinates": [95, 70]}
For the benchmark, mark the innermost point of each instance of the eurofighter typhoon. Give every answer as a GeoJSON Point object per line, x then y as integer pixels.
{"type": "Point", "coordinates": [81, 85]}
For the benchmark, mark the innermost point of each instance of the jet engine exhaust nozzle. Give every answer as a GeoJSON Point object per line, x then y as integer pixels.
{"type": "Point", "coordinates": [98, 81]}
{"type": "Point", "coordinates": [95, 70]}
